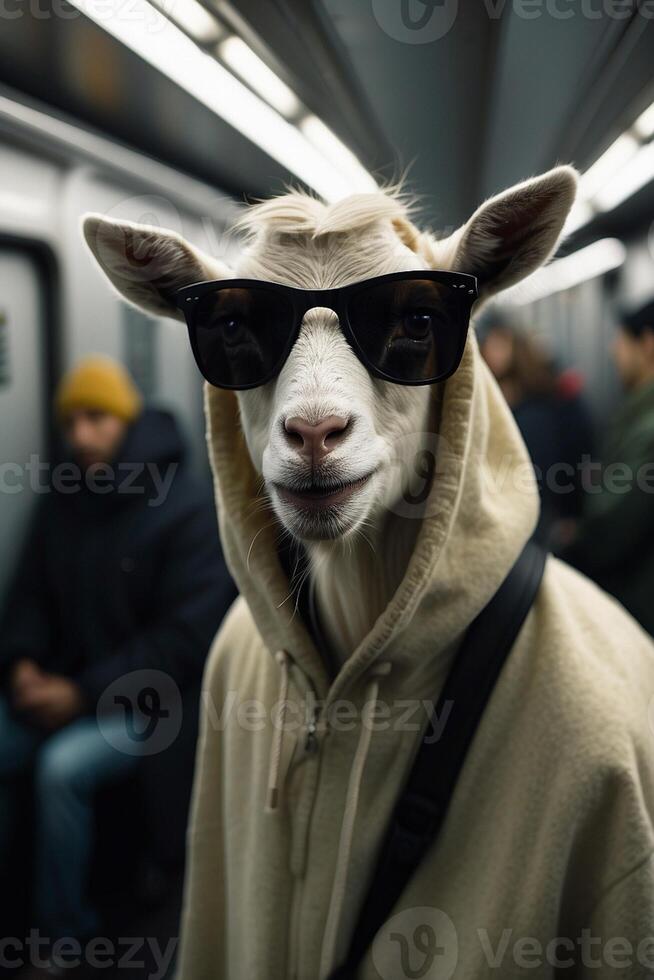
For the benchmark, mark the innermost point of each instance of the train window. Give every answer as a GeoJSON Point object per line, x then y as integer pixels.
{"type": "Point", "coordinates": [140, 350]}
{"type": "Point", "coordinates": [22, 396]}
{"type": "Point", "coordinates": [4, 350]}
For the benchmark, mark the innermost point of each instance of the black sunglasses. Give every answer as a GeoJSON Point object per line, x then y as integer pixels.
{"type": "Point", "coordinates": [407, 327]}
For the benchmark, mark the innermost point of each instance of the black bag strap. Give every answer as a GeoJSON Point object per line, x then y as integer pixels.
{"type": "Point", "coordinates": [421, 809]}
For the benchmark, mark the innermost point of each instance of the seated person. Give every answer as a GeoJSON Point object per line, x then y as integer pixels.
{"type": "Point", "coordinates": [121, 589]}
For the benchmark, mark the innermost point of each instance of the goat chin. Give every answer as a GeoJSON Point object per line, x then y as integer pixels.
{"type": "Point", "coordinates": [319, 515]}
{"type": "Point", "coordinates": [357, 551]}
{"type": "Point", "coordinates": [354, 576]}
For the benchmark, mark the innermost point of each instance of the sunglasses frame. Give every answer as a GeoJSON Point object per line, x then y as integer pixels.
{"type": "Point", "coordinates": [335, 299]}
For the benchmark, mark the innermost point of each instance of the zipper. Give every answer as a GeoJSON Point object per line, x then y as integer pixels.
{"type": "Point", "coordinates": [313, 712]}
{"type": "Point", "coordinates": [311, 746]}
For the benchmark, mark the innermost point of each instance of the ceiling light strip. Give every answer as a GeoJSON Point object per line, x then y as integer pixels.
{"type": "Point", "coordinates": [587, 263]}
{"type": "Point", "coordinates": [242, 60]}
{"type": "Point", "coordinates": [153, 37]}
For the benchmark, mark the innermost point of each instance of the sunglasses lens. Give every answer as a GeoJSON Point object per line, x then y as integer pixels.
{"type": "Point", "coordinates": [411, 330]}
{"type": "Point", "coordinates": [241, 335]}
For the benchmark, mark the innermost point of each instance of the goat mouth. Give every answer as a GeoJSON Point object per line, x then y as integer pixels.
{"type": "Point", "coordinates": [318, 497]}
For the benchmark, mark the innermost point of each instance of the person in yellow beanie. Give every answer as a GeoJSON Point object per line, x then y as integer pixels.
{"type": "Point", "coordinates": [95, 402]}
{"type": "Point", "coordinates": [120, 591]}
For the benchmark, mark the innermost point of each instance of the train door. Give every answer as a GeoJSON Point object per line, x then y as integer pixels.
{"type": "Point", "coordinates": [23, 436]}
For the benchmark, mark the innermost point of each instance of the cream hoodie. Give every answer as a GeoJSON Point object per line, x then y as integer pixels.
{"type": "Point", "coordinates": [546, 856]}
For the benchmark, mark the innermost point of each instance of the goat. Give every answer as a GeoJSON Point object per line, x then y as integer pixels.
{"type": "Point", "coordinates": [325, 419]}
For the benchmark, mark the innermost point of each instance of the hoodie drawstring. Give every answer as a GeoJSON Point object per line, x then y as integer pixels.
{"type": "Point", "coordinates": [339, 885]}
{"type": "Point", "coordinates": [349, 817]}
{"type": "Point", "coordinates": [274, 767]}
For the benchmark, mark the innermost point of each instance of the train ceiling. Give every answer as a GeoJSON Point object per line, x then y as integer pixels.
{"type": "Point", "coordinates": [489, 99]}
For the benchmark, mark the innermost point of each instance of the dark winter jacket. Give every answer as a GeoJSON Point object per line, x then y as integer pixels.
{"type": "Point", "coordinates": [615, 545]}
{"type": "Point", "coordinates": [557, 431]}
{"type": "Point", "coordinates": [125, 576]}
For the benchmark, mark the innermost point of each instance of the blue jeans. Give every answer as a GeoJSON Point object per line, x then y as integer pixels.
{"type": "Point", "coordinates": [70, 765]}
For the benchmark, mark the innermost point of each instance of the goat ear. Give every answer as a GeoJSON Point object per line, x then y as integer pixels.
{"type": "Point", "coordinates": [511, 235]}
{"type": "Point", "coordinates": [146, 264]}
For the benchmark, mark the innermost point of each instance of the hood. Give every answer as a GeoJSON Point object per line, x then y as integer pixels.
{"type": "Point", "coordinates": [483, 506]}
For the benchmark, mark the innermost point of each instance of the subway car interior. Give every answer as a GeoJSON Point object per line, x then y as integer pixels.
{"type": "Point", "coordinates": [467, 189]}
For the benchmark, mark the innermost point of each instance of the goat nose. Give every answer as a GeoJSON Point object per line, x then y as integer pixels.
{"type": "Point", "coordinates": [316, 440]}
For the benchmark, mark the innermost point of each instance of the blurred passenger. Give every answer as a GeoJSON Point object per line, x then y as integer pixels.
{"type": "Point", "coordinates": [121, 572]}
{"type": "Point", "coordinates": [615, 541]}
{"type": "Point", "coordinates": [551, 414]}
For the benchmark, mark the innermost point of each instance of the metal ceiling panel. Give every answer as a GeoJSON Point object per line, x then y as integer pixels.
{"type": "Point", "coordinates": [296, 38]}
{"type": "Point", "coordinates": [561, 89]}
{"type": "Point", "coordinates": [430, 93]}
{"type": "Point", "coordinates": [478, 96]}
{"type": "Point", "coordinates": [77, 68]}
